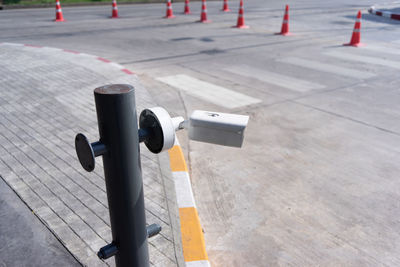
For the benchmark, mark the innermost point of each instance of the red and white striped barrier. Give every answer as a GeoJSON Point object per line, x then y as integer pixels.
{"type": "Point", "coordinates": [386, 14]}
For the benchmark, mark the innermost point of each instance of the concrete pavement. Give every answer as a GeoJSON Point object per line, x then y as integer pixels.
{"type": "Point", "coordinates": [47, 98]}
{"type": "Point", "coordinates": [316, 181]}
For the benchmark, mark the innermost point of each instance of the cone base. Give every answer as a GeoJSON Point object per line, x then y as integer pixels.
{"type": "Point", "coordinates": [114, 17]}
{"type": "Point", "coordinates": [284, 34]}
{"type": "Point", "coordinates": [355, 45]}
{"type": "Point", "coordinates": [59, 20]}
{"type": "Point", "coordinates": [169, 17]}
{"type": "Point", "coordinates": [241, 27]}
{"type": "Point", "coordinates": [187, 13]}
{"type": "Point", "coordinates": [226, 10]}
{"type": "Point", "coordinates": [204, 21]}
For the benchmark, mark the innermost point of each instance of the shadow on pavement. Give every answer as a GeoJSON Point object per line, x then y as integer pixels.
{"type": "Point", "coordinates": [25, 241]}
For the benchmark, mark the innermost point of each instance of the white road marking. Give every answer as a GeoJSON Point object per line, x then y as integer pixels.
{"type": "Point", "coordinates": [382, 49]}
{"type": "Point", "coordinates": [329, 68]}
{"type": "Point", "coordinates": [365, 59]}
{"type": "Point", "coordinates": [209, 92]}
{"type": "Point", "coordinates": [275, 78]}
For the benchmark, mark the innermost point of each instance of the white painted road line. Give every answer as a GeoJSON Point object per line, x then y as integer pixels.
{"type": "Point", "coordinates": [365, 59]}
{"type": "Point", "coordinates": [209, 92]}
{"type": "Point", "coordinates": [329, 68]}
{"type": "Point", "coordinates": [275, 78]}
{"type": "Point", "coordinates": [382, 49]}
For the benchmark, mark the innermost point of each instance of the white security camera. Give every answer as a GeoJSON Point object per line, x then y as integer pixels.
{"type": "Point", "coordinates": [217, 128]}
{"type": "Point", "coordinates": [157, 128]}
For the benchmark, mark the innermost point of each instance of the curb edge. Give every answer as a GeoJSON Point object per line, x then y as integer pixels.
{"type": "Point", "coordinates": [193, 244]}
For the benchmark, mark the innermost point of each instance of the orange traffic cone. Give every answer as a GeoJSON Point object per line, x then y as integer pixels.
{"type": "Point", "coordinates": [114, 10]}
{"type": "Point", "coordinates": [225, 8]}
{"type": "Point", "coordinates": [240, 22]}
{"type": "Point", "coordinates": [187, 9]}
{"type": "Point", "coordinates": [356, 37]}
{"type": "Point", "coordinates": [203, 16]}
{"type": "Point", "coordinates": [285, 23]}
{"type": "Point", "coordinates": [59, 14]}
{"type": "Point", "coordinates": [169, 14]}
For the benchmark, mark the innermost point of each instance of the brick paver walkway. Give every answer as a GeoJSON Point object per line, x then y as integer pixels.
{"type": "Point", "coordinates": [46, 98]}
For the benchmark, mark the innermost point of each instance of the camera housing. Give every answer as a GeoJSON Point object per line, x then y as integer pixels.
{"type": "Point", "coordinates": [217, 128]}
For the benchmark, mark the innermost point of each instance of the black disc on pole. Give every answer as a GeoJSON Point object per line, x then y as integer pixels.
{"type": "Point", "coordinates": [85, 152]}
{"type": "Point", "coordinates": [155, 136]}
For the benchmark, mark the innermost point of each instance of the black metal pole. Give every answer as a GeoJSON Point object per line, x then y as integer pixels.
{"type": "Point", "coordinates": [117, 119]}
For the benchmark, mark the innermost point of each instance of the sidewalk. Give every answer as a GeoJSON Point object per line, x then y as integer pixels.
{"type": "Point", "coordinates": [46, 99]}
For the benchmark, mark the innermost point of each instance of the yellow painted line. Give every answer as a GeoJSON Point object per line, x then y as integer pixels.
{"type": "Point", "coordinates": [193, 244]}
{"type": "Point", "coordinates": [194, 247]}
{"type": "Point", "coordinates": [177, 160]}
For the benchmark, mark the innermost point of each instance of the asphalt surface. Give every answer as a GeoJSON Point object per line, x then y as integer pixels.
{"type": "Point", "coordinates": [316, 182]}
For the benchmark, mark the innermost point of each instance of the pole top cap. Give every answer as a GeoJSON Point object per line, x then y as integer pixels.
{"type": "Point", "coordinates": [114, 89]}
